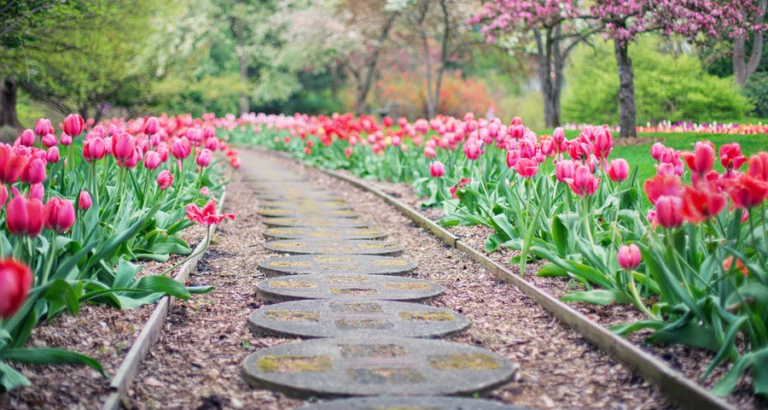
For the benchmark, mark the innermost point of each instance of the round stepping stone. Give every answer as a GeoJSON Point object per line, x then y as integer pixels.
{"type": "Point", "coordinates": [328, 247]}
{"type": "Point", "coordinates": [343, 287]}
{"type": "Point", "coordinates": [316, 222]}
{"type": "Point", "coordinates": [335, 318]}
{"type": "Point", "coordinates": [336, 264]}
{"type": "Point", "coordinates": [323, 233]}
{"type": "Point", "coordinates": [367, 366]}
{"type": "Point", "coordinates": [410, 403]}
{"type": "Point", "coordinates": [317, 212]}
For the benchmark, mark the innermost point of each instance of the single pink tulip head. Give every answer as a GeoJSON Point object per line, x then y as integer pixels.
{"type": "Point", "coordinates": [27, 138]}
{"type": "Point", "coordinates": [629, 257]}
{"type": "Point", "coordinates": [52, 155]}
{"type": "Point", "coordinates": [59, 215]}
{"type": "Point", "coordinates": [74, 125]}
{"type": "Point", "coordinates": [50, 140]}
{"type": "Point", "coordinates": [437, 169]}
{"type": "Point", "coordinates": [165, 179]}
{"type": "Point", "coordinates": [43, 127]}
{"type": "Point", "coordinates": [618, 170]}
{"type": "Point", "coordinates": [204, 157]}
{"type": "Point", "coordinates": [84, 202]}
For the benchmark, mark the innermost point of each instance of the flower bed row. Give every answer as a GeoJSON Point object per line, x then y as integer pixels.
{"type": "Point", "coordinates": [687, 248]}
{"type": "Point", "coordinates": [85, 211]}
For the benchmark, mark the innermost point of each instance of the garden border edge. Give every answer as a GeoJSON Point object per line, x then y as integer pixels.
{"type": "Point", "coordinates": [152, 328]}
{"type": "Point", "coordinates": [672, 384]}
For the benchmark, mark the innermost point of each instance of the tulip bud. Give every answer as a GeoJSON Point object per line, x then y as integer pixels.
{"type": "Point", "coordinates": [94, 149]}
{"type": "Point", "coordinates": [37, 191]}
{"type": "Point", "coordinates": [84, 203]}
{"type": "Point", "coordinates": [205, 191]}
{"type": "Point", "coordinates": [49, 140]}
{"type": "Point", "coordinates": [165, 179]}
{"type": "Point", "coordinates": [53, 155]}
{"type": "Point", "coordinates": [43, 127]}
{"type": "Point", "coordinates": [34, 171]}
{"type": "Point", "coordinates": [437, 169]}
{"type": "Point", "coordinates": [66, 139]}
{"type": "Point", "coordinates": [656, 150]}
{"type": "Point", "coordinates": [27, 138]}
{"type": "Point", "coordinates": [204, 157]}
{"type": "Point", "coordinates": [73, 125]}
{"type": "Point", "coordinates": [59, 215]}
{"type": "Point", "coordinates": [212, 144]}
{"type": "Point", "coordinates": [24, 216]}
{"type": "Point", "coordinates": [152, 126]}
{"type": "Point", "coordinates": [618, 170]}
{"type": "Point", "coordinates": [15, 280]}
{"type": "Point", "coordinates": [668, 211]}
{"type": "Point", "coordinates": [123, 146]}
{"type": "Point", "coordinates": [181, 148]}
{"type": "Point", "coordinates": [235, 162]}
{"type": "Point", "coordinates": [152, 160]}
{"type": "Point", "coordinates": [629, 257]}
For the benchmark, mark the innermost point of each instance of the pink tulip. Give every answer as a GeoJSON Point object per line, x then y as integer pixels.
{"type": "Point", "coordinates": [656, 150]}
{"type": "Point", "coordinates": [629, 257]}
{"type": "Point", "coordinates": [34, 172]}
{"type": "Point", "coordinates": [235, 162]}
{"type": "Point", "coordinates": [212, 144]}
{"type": "Point", "coordinates": [437, 169]}
{"type": "Point", "coordinates": [37, 191]}
{"type": "Point", "coordinates": [27, 138]}
{"type": "Point", "coordinates": [94, 149]}
{"type": "Point", "coordinates": [43, 127]}
{"type": "Point", "coordinates": [73, 125]}
{"type": "Point", "coordinates": [702, 159]}
{"type": "Point", "coordinates": [52, 155]}
{"type": "Point", "coordinates": [24, 216]}
{"type": "Point", "coordinates": [152, 126]}
{"type": "Point", "coordinates": [84, 203]}
{"type": "Point", "coordinates": [3, 194]}
{"type": "Point", "coordinates": [668, 211]}
{"type": "Point", "coordinates": [59, 215]}
{"type": "Point", "coordinates": [66, 139]}
{"type": "Point", "coordinates": [165, 179]}
{"type": "Point", "coordinates": [618, 170]}
{"type": "Point", "coordinates": [204, 157]}
{"type": "Point", "coordinates": [152, 160]}
{"type": "Point", "coordinates": [205, 191]}
{"type": "Point", "coordinates": [49, 140]}
{"type": "Point", "coordinates": [527, 167]}
{"type": "Point", "coordinates": [135, 158]}
{"type": "Point", "coordinates": [181, 148]}
{"type": "Point", "coordinates": [584, 182]}
{"type": "Point", "coordinates": [123, 146]}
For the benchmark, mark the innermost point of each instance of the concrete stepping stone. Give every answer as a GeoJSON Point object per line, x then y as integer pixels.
{"type": "Point", "coordinates": [368, 366]}
{"type": "Point", "coordinates": [336, 264]}
{"type": "Point", "coordinates": [328, 247]}
{"type": "Point", "coordinates": [306, 205]}
{"type": "Point", "coordinates": [336, 318]}
{"type": "Point", "coordinates": [311, 213]}
{"type": "Point", "coordinates": [323, 233]}
{"type": "Point", "coordinates": [343, 287]}
{"type": "Point", "coordinates": [410, 403]}
{"type": "Point", "coordinates": [317, 222]}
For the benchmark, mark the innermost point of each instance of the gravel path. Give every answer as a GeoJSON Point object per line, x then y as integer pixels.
{"type": "Point", "coordinates": [196, 364]}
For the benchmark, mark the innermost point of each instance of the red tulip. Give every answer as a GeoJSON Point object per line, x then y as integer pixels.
{"type": "Point", "coordinates": [84, 203]}
{"type": "Point", "coordinates": [165, 179]}
{"type": "Point", "coordinates": [15, 280]}
{"type": "Point", "coordinates": [702, 159]}
{"type": "Point", "coordinates": [702, 203]}
{"type": "Point", "coordinates": [59, 215]}
{"type": "Point", "coordinates": [43, 127]}
{"type": "Point", "coordinates": [207, 215]}
{"type": "Point", "coordinates": [24, 216]}
{"type": "Point", "coordinates": [204, 157]}
{"type": "Point", "coordinates": [73, 125]}
{"type": "Point", "coordinates": [668, 211]}
{"type": "Point", "coordinates": [618, 170]}
{"type": "Point", "coordinates": [437, 169]}
{"type": "Point", "coordinates": [730, 156]}
{"type": "Point", "coordinates": [748, 192]}
{"type": "Point", "coordinates": [662, 185]}
{"type": "Point", "coordinates": [584, 182]}
{"type": "Point", "coordinates": [235, 162]}
{"type": "Point", "coordinates": [629, 257]}
{"type": "Point", "coordinates": [527, 167]}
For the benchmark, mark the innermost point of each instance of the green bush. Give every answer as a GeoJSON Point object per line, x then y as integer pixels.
{"type": "Point", "coordinates": [667, 87]}
{"type": "Point", "coordinates": [756, 90]}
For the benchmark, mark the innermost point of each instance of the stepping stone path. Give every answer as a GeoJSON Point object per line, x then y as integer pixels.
{"type": "Point", "coordinates": [334, 247]}
{"type": "Point", "coordinates": [369, 338]}
{"type": "Point", "coordinates": [344, 287]}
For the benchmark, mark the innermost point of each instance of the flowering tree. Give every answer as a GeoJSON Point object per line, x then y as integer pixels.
{"type": "Point", "coordinates": [745, 65]}
{"type": "Point", "coordinates": [554, 27]}
{"type": "Point", "coordinates": [625, 20]}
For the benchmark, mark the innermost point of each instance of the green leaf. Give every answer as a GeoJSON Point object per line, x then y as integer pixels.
{"type": "Point", "coordinates": [726, 385]}
{"type": "Point", "coordinates": [689, 334]}
{"type": "Point", "coordinates": [761, 372]}
{"type": "Point", "coordinates": [728, 348]}
{"type": "Point", "coordinates": [551, 270]}
{"type": "Point", "coordinates": [47, 355]}
{"type": "Point", "coordinates": [629, 328]}
{"type": "Point", "coordinates": [125, 273]}
{"type": "Point", "coordinates": [597, 297]}
{"type": "Point", "coordinates": [61, 294]}
{"type": "Point", "coordinates": [560, 236]}
{"type": "Point", "coordinates": [10, 378]}
{"type": "Point", "coordinates": [200, 290]}
{"type": "Point", "coordinates": [165, 248]}
{"type": "Point", "coordinates": [165, 285]}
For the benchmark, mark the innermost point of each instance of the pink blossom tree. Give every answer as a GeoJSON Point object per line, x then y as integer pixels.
{"type": "Point", "coordinates": [625, 20]}
{"type": "Point", "coordinates": [554, 28]}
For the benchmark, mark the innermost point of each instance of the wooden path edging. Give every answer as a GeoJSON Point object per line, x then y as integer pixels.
{"type": "Point", "coordinates": [150, 332]}
{"type": "Point", "coordinates": [673, 384]}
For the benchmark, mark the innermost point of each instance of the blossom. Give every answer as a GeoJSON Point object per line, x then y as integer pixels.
{"type": "Point", "coordinates": [662, 185]}
{"type": "Point", "coordinates": [15, 281]}
{"type": "Point", "coordinates": [702, 159]}
{"type": "Point", "coordinates": [43, 127]}
{"type": "Point", "coordinates": [24, 216]}
{"type": "Point", "coordinates": [527, 167]}
{"type": "Point", "coordinates": [583, 183]}
{"type": "Point", "coordinates": [207, 215]}
{"type": "Point", "coordinates": [701, 203]}
{"type": "Point", "coordinates": [730, 156]}
{"type": "Point", "coordinates": [668, 211]}
{"type": "Point", "coordinates": [59, 215]}
{"type": "Point", "coordinates": [73, 125]}
{"type": "Point", "coordinates": [629, 257]}
{"type": "Point", "coordinates": [84, 203]}
{"type": "Point", "coordinates": [437, 169]}
{"type": "Point", "coordinates": [165, 179]}
{"type": "Point", "coordinates": [618, 170]}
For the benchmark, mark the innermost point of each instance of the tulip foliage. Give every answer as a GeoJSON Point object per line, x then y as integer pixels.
{"type": "Point", "coordinates": [687, 248]}
{"type": "Point", "coordinates": [83, 208]}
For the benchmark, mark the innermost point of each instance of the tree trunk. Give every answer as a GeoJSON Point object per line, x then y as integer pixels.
{"type": "Point", "coordinates": [627, 109]}
{"type": "Point", "coordinates": [369, 69]}
{"type": "Point", "coordinates": [743, 68]}
{"type": "Point", "coordinates": [549, 91]}
{"type": "Point", "coordinates": [236, 26]}
{"type": "Point", "coordinates": [8, 95]}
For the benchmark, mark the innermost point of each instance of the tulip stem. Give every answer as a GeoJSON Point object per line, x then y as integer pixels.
{"type": "Point", "coordinates": [49, 259]}
{"type": "Point", "coordinates": [194, 254]}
